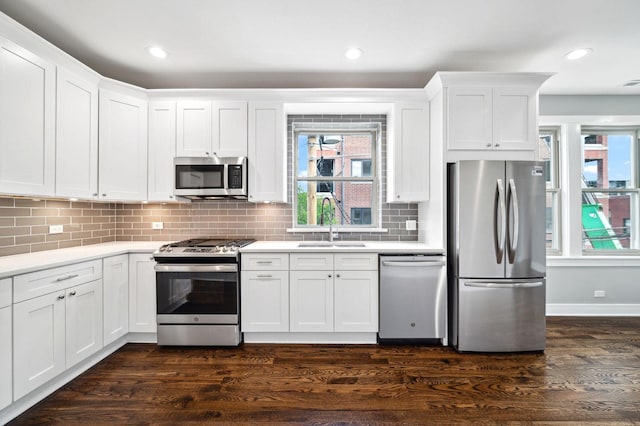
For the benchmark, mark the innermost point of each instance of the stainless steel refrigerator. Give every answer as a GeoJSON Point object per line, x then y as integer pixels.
{"type": "Point", "coordinates": [496, 251]}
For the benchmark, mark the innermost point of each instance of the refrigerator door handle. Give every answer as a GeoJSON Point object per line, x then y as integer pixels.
{"type": "Point", "coordinates": [484, 284]}
{"type": "Point", "coordinates": [499, 238]}
{"type": "Point", "coordinates": [512, 244]}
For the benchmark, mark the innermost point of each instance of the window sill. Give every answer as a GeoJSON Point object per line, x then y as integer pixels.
{"type": "Point", "coordinates": [593, 261]}
{"type": "Point", "coordinates": [338, 230]}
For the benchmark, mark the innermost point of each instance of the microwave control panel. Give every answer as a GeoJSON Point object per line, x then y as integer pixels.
{"type": "Point", "coordinates": [235, 177]}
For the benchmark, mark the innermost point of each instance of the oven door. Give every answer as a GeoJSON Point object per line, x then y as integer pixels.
{"type": "Point", "coordinates": [197, 294]}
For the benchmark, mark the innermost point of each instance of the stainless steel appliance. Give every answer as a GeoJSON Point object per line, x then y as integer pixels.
{"type": "Point", "coordinates": [413, 297]}
{"type": "Point", "coordinates": [198, 292]}
{"type": "Point", "coordinates": [496, 252]}
{"type": "Point", "coordinates": [211, 177]}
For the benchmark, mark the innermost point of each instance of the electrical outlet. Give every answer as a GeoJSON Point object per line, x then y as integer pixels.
{"type": "Point", "coordinates": [598, 293]}
{"type": "Point", "coordinates": [56, 229]}
{"type": "Point", "coordinates": [410, 225]}
{"type": "Point", "coordinates": [157, 225]}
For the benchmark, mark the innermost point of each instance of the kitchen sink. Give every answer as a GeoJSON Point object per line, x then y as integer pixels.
{"type": "Point", "coordinates": [318, 244]}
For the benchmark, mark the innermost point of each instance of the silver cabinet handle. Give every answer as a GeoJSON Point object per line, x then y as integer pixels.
{"type": "Point", "coordinates": [68, 277]}
{"type": "Point", "coordinates": [61, 297]}
{"type": "Point", "coordinates": [264, 262]}
{"type": "Point", "coordinates": [264, 276]}
{"type": "Point", "coordinates": [73, 293]}
{"type": "Point", "coordinates": [488, 145]}
{"type": "Point", "coordinates": [482, 284]}
{"type": "Point", "coordinates": [414, 263]}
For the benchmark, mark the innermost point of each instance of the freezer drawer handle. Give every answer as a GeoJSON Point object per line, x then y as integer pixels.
{"type": "Point", "coordinates": [413, 263]}
{"type": "Point", "coordinates": [503, 285]}
{"type": "Point", "coordinates": [499, 238]}
{"type": "Point", "coordinates": [512, 243]}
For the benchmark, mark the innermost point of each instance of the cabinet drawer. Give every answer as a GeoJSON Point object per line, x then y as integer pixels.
{"type": "Point", "coordinates": [311, 261]}
{"type": "Point", "coordinates": [34, 284]}
{"type": "Point", "coordinates": [265, 261]}
{"type": "Point", "coordinates": [356, 262]}
{"type": "Point", "coordinates": [5, 292]}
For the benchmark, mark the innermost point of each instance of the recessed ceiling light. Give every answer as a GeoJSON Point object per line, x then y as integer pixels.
{"type": "Point", "coordinates": [158, 52]}
{"type": "Point", "coordinates": [353, 53]}
{"type": "Point", "coordinates": [578, 53]}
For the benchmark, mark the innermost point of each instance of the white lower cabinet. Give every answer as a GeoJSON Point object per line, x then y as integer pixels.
{"type": "Point", "coordinates": [115, 297]}
{"type": "Point", "coordinates": [83, 321]}
{"type": "Point", "coordinates": [142, 293]}
{"type": "Point", "coordinates": [264, 292]}
{"type": "Point", "coordinates": [54, 332]}
{"type": "Point", "coordinates": [341, 297]}
{"type": "Point", "coordinates": [6, 390]}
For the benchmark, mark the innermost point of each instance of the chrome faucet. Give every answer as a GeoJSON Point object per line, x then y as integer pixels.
{"type": "Point", "coordinates": [331, 217]}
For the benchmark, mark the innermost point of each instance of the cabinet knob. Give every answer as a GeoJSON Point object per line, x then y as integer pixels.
{"type": "Point", "coordinates": [95, 194]}
{"type": "Point", "coordinates": [488, 145]}
{"type": "Point", "coordinates": [104, 195]}
{"type": "Point", "coordinates": [208, 155]}
{"type": "Point", "coordinates": [151, 258]}
{"type": "Point", "coordinates": [329, 275]}
{"type": "Point", "coordinates": [61, 297]}
{"type": "Point", "coordinates": [170, 196]}
{"type": "Point", "coordinates": [497, 145]}
{"type": "Point", "coordinates": [73, 293]}
{"type": "Point", "coordinates": [337, 275]}
{"type": "Point", "coordinates": [398, 196]}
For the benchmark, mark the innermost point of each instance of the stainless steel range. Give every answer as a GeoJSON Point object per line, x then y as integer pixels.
{"type": "Point", "coordinates": [197, 292]}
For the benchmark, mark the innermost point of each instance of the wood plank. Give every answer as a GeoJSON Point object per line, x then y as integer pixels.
{"type": "Point", "coordinates": [589, 374]}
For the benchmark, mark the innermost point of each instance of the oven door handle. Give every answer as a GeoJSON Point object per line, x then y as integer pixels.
{"type": "Point", "coordinates": [187, 267]}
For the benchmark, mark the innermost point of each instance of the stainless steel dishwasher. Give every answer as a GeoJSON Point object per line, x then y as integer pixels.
{"type": "Point", "coordinates": [413, 298]}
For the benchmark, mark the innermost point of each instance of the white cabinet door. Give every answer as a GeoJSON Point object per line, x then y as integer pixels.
{"type": "Point", "coordinates": [229, 129]}
{"type": "Point", "coordinates": [515, 118]}
{"type": "Point", "coordinates": [116, 297]}
{"type": "Point", "coordinates": [76, 136]}
{"type": "Point", "coordinates": [265, 301]}
{"type": "Point", "coordinates": [27, 122]}
{"type": "Point", "coordinates": [162, 149]}
{"type": "Point", "coordinates": [6, 346]}
{"type": "Point", "coordinates": [39, 341]}
{"type": "Point", "coordinates": [409, 165]}
{"type": "Point", "coordinates": [356, 301]}
{"type": "Point", "coordinates": [142, 293]}
{"type": "Point", "coordinates": [311, 301]}
{"type": "Point", "coordinates": [194, 129]}
{"type": "Point", "coordinates": [267, 153]}
{"type": "Point", "coordinates": [83, 321]}
{"type": "Point", "coordinates": [469, 118]}
{"type": "Point", "coordinates": [123, 147]}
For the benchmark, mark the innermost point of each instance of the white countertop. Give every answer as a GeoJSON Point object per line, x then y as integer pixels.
{"type": "Point", "coordinates": [382, 247]}
{"type": "Point", "coordinates": [29, 262]}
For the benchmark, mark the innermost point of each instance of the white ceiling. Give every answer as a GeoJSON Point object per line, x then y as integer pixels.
{"type": "Point", "coordinates": [300, 43]}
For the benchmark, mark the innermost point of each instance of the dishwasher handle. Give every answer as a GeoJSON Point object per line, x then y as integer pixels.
{"type": "Point", "coordinates": [411, 263]}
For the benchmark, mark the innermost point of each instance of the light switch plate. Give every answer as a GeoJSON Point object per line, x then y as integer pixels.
{"type": "Point", "coordinates": [411, 225]}
{"type": "Point", "coordinates": [157, 225]}
{"type": "Point", "coordinates": [56, 229]}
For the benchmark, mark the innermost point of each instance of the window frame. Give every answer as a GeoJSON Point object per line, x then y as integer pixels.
{"type": "Point", "coordinates": [554, 189]}
{"type": "Point", "coordinates": [633, 191]}
{"type": "Point", "coordinates": [372, 129]}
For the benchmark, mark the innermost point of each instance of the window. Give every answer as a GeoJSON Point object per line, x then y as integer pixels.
{"type": "Point", "coordinates": [609, 189]}
{"type": "Point", "coordinates": [338, 164]}
{"type": "Point", "coordinates": [548, 151]}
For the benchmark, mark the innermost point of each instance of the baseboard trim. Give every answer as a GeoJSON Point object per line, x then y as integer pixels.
{"type": "Point", "coordinates": [594, 309]}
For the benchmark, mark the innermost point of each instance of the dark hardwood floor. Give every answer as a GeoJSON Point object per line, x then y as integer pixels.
{"type": "Point", "coordinates": [589, 374]}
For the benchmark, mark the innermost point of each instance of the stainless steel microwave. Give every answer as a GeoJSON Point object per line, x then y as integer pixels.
{"type": "Point", "coordinates": [211, 177]}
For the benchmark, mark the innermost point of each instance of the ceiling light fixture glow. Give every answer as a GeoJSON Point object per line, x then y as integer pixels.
{"type": "Point", "coordinates": [353, 53]}
{"type": "Point", "coordinates": [578, 53]}
{"type": "Point", "coordinates": [157, 52]}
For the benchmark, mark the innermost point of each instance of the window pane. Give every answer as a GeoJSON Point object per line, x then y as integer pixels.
{"type": "Point", "coordinates": [331, 155]}
{"type": "Point", "coordinates": [545, 153]}
{"type": "Point", "coordinates": [605, 220]}
{"type": "Point", "coordinates": [345, 197]}
{"type": "Point", "coordinates": [607, 160]}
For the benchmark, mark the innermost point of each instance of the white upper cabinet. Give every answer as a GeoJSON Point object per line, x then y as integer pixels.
{"type": "Point", "coordinates": [162, 149]}
{"type": "Point", "coordinates": [27, 122]}
{"type": "Point", "coordinates": [194, 129]}
{"type": "Point", "coordinates": [207, 129]}
{"type": "Point", "coordinates": [485, 115]}
{"type": "Point", "coordinates": [76, 136]}
{"type": "Point", "coordinates": [408, 162]}
{"type": "Point", "coordinates": [123, 147]}
{"type": "Point", "coordinates": [267, 153]}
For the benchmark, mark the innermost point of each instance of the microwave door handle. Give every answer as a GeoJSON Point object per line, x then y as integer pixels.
{"type": "Point", "coordinates": [225, 177]}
